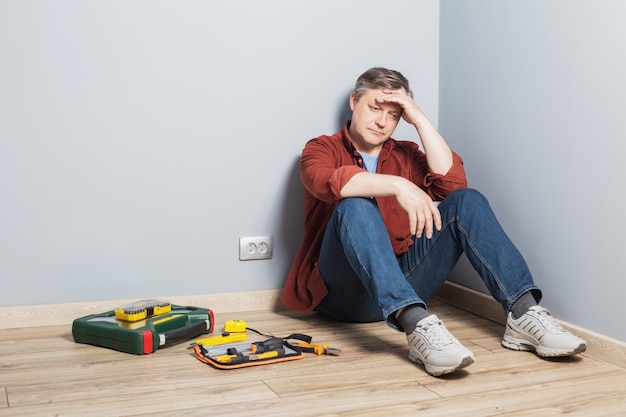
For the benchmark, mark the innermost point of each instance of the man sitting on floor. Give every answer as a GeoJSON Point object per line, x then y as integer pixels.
{"type": "Point", "coordinates": [378, 245]}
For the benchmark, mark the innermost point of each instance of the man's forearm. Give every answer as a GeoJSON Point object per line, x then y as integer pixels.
{"type": "Point", "coordinates": [367, 184]}
{"type": "Point", "coordinates": [438, 153]}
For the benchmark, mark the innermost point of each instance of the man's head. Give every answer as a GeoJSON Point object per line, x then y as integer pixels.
{"type": "Point", "coordinates": [379, 78]}
{"type": "Point", "coordinates": [374, 120]}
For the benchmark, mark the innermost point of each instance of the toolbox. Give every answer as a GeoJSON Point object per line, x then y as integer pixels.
{"type": "Point", "coordinates": [143, 336]}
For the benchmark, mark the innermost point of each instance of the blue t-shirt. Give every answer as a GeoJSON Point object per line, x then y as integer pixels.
{"type": "Point", "coordinates": [370, 162]}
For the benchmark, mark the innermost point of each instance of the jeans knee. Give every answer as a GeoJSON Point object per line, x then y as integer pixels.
{"type": "Point", "coordinates": [465, 203]}
{"type": "Point", "coordinates": [468, 195]}
{"type": "Point", "coordinates": [358, 205]}
{"type": "Point", "coordinates": [356, 210]}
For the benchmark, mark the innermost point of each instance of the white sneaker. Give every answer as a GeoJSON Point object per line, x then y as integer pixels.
{"type": "Point", "coordinates": [538, 331]}
{"type": "Point", "coordinates": [432, 345]}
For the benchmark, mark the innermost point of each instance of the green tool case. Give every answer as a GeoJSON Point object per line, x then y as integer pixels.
{"type": "Point", "coordinates": [143, 336]}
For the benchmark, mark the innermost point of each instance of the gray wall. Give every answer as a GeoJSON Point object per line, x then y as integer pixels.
{"type": "Point", "coordinates": [140, 139]}
{"type": "Point", "coordinates": [532, 95]}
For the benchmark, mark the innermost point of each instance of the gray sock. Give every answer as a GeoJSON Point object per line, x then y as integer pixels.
{"type": "Point", "coordinates": [522, 304]}
{"type": "Point", "coordinates": [409, 316]}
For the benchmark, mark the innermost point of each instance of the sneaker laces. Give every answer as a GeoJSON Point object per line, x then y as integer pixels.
{"type": "Point", "coordinates": [546, 319]}
{"type": "Point", "coordinates": [437, 334]}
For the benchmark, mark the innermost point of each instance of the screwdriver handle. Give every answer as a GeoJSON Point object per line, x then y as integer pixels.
{"type": "Point", "coordinates": [267, 345]}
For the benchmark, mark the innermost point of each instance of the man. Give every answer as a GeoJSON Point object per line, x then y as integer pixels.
{"type": "Point", "coordinates": [385, 224]}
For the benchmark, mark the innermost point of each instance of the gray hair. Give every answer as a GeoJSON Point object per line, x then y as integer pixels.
{"type": "Point", "coordinates": [380, 78]}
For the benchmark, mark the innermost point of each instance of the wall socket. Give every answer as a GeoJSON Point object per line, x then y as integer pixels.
{"type": "Point", "coordinates": [255, 247]}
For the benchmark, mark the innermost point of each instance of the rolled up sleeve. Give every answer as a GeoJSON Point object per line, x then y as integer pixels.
{"type": "Point", "coordinates": [439, 186]}
{"type": "Point", "coordinates": [324, 170]}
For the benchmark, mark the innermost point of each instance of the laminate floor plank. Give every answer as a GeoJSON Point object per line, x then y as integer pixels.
{"type": "Point", "coordinates": [43, 372]}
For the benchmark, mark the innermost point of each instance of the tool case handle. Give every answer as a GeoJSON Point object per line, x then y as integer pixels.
{"type": "Point", "coordinates": [184, 333]}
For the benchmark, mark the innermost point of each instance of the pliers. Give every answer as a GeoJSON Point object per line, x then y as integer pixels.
{"type": "Point", "coordinates": [318, 349]}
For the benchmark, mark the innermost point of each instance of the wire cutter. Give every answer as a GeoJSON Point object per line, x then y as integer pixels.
{"type": "Point", "coordinates": [318, 349]}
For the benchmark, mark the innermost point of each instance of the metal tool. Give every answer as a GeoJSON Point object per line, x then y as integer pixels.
{"type": "Point", "coordinates": [318, 349]}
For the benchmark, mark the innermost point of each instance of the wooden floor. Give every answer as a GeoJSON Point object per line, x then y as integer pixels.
{"type": "Point", "coordinates": [44, 373]}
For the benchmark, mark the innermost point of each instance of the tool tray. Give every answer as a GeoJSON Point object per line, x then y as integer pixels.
{"type": "Point", "coordinates": [241, 355]}
{"type": "Point", "coordinates": [143, 336]}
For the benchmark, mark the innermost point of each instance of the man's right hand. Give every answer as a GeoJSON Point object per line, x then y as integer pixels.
{"type": "Point", "coordinates": [423, 213]}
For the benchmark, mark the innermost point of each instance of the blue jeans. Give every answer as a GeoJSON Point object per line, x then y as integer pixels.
{"type": "Point", "coordinates": [367, 282]}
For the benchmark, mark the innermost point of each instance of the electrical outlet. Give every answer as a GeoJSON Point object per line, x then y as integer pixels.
{"type": "Point", "coordinates": [255, 247]}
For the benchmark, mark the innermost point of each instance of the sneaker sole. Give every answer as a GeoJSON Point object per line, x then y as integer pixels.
{"type": "Point", "coordinates": [442, 370]}
{"type": "Point", "coordinates": [523, 345]}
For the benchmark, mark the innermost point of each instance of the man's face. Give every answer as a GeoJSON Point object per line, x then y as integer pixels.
{"type": "Point", "coordinates": [372, 122]}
